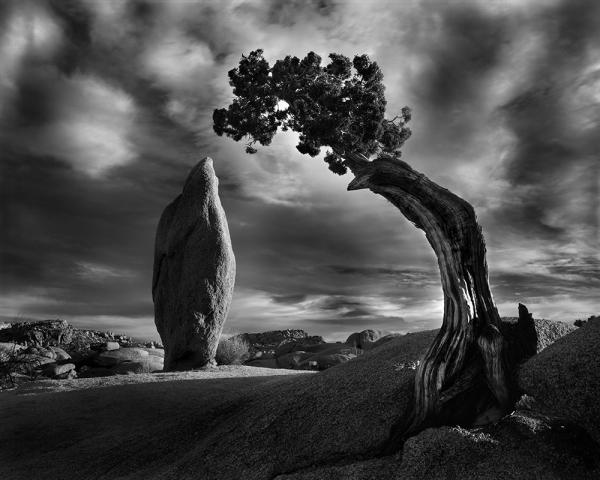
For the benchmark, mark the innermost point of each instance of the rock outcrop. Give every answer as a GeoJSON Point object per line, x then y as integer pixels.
{"type": "Point", "coordinates": [365, 339]}
{"type": "Point", "coordinates": [522, 445]}
{"type": "Point", "coordinates": [295, 349]}
{"type": "Point", "coordinates": [327, 426]}
{"type": "Point", "coordinates": [565, 377]}
{"type": "Point", "coordinates": [40, 333]}
{"type": "Point", "coordinates": [278, 342]}
{"type": "Point", "coordinates": [54, 349]}
{"type": "Point", "coordinates": [59, 371]}
{"type": "Point", "coordinates": [194, 272]}
{"type": "Point", "coordinates": [111, 358]}
{"type": "Point", "coordinates": [110, 346]}
{"type": "Point", "coordinates": [52, 333]}
{"type": "Point", "coordinates": [544, 332]}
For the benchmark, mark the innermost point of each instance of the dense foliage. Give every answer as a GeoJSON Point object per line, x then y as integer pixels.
{"type": "Point", "coordinates": [340, 105]}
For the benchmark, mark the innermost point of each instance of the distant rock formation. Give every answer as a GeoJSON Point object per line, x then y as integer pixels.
{"type": "Point", "coordinates": [278, 339]}
{"type": "Point", "coordinates": [295, 349]}
{"type": "Point", "coordinates": [41, 333]}
{"type": "Point", "coordinates": [45, 333]}
{"type": "Point", "coordinates": [57, 350]}
{"type": "Point", "coordinates": [539, 332]}
{"type": "Point", "coordinates": [194, 272]}
{"type": "Point", "coordinates": [365, 339]}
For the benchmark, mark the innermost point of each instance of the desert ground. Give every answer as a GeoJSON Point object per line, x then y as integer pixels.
{"type": "Point", "coordinates": [242, 422]}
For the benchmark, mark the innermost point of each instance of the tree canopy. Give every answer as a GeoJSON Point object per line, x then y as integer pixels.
{"type": "Point", "coordinates": [467, 373]}
{"type": "Point", "coordinates": [340, 105]}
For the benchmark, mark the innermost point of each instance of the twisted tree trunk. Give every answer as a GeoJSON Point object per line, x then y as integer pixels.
{"type": "Point", "coordinates": [462, 378]}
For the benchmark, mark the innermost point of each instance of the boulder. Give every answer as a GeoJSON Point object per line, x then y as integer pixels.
{"type": "Point", "coordinates": [548, 331]}
{"type": "Point", "coordinates": [54, 370]}
{"type": "Point", "coordinates": [194, 272]}
{"type": "Point", "coordinates": [565, 377]}
{"type": "Point", "coordinates": [46, 352]}
{"type": "Point", "coordinates": [365, 339]}
{"type": "Point", "coordinates": [9, 348]}
{"type": "Point", "coordinates": [60, 355]}
{"type": "Point", "coordinates": [32, 360]}
{"type": "Point", "coordinates": [383, 340]}
{"type": "Point", "coordinates": [112, 358]}
{"type": "Point", "coordinates": [108, 346]}
{"type": "Point", "coordinates": [544, 332]}
{"type": "Point", "coordinates": [325, 354]}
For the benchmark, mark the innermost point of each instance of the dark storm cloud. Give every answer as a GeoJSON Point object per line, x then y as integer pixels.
{"type": "Point", "coordinates": [291, 12]}
{"type": "Point", "coordinates": [62, 217]}
{"type": "Point", "coordinates": [107, 105]}
{"type": "Point", "coordinates": [76, 21]}
{"type": "Point", "coordinates": [282, 249]}
{"type": "Point", "coordinates": [338, 303]}
{"type": "Point", "coordinates": [400, 275]}
{"type": "Point", "coordinates": [548, 121]}
{"type": "Point", "coordinates": [460, 54]}
{"type": "Point", "coordinates": [79, 238]}
{"type": "Point", "coordinates": [33, 101]}
{"type": "Point", "coordinates": [357, 312]}
{"type": "Point", "coordinates": [291, 298]}
{"type": "Point", "coordinates": [589, 268]}
{"type": "Point", "coordinates": [537, 285]}
{"type": "Point", "coordinates": [469, 45]}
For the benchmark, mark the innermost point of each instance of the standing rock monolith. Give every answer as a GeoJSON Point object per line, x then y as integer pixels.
{"type": "Point", "coordinates": [194, 272]}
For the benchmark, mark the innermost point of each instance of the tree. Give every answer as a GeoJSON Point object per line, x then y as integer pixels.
{"type": "Point", "coordinates": [464, 374]}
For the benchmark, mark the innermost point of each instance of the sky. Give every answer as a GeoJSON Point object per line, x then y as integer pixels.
{"type": "Point", "coordinates": [106, 105]}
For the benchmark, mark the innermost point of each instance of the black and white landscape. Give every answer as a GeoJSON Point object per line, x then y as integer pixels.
{"type": "Point", "coordinates": [209, 266]}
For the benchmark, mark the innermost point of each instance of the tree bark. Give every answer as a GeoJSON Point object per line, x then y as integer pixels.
{"type": "Point", "coordinates": [462, 374]}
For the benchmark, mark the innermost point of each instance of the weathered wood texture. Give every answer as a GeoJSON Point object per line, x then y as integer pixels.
{"type": "Point", "coordinates": [468, 351]}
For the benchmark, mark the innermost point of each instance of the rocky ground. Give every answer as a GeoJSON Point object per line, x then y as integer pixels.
{"type": "Point", "coordinates": [253, 423]}
{"type": "Point", "coordinates": [55, 349]}
{"type": "Point", "coordinates": [296, 349]}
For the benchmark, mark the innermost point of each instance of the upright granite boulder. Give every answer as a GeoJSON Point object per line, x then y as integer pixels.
{"type": "Point", "coordinates": [194, 272]}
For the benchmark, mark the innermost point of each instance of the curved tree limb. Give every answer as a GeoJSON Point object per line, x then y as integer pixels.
{"type": "Point", "coordinates": [469, 338]}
